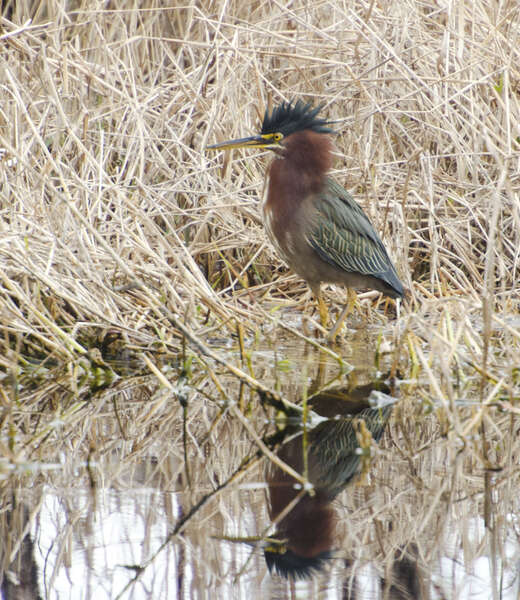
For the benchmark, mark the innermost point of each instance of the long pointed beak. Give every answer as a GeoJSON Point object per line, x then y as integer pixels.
{"type": "Point", "coordinates": [256, 141]}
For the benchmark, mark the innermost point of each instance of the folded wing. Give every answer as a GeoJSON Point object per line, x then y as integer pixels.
{"type": "Point", "coordinates": [344, 237]}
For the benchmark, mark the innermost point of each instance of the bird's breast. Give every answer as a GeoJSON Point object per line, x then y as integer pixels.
{"type": "Point", "coordinates": [289, 214]}
{"type": "Point", "coordinates": [265, 191]}
{"type": "Point", "coordinates": [281, 240]}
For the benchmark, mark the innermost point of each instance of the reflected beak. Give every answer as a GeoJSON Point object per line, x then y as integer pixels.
{"type": "Point", "coordinates": [256, 141]}
{"type": "Point", "coordinates": [268, 544]}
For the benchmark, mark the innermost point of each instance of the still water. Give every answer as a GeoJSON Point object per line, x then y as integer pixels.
{"type": "Point", "coordinates": [201, 490]}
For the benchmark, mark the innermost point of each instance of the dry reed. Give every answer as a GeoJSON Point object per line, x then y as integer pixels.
{"type": "Point", "coordinates": [123, 241]}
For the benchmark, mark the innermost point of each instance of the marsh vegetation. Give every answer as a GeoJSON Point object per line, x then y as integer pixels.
{"type": "Point", "coordinates": [154, 350]}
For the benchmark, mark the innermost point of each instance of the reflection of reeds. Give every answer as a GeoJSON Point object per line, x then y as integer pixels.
{"type": "Point", "coordinates": [118, 231]}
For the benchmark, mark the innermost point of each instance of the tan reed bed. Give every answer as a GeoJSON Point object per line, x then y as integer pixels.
{"type": "Point", "coordinates": [122, 239]}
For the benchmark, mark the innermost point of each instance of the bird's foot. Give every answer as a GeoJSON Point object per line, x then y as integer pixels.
{"type": "Point", "coordinates": [347, 310]}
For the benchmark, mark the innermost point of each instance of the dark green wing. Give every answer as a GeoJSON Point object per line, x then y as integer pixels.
{"type": "Point", "coordinates": [335, 446]}
{"type": "Point", "coordinates": [344, 237]}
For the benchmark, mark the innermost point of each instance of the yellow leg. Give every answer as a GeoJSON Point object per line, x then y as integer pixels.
{"type": "Point", "coordinates": [349, 307]}
{"type": "Point", "coordinates": [324, 313]}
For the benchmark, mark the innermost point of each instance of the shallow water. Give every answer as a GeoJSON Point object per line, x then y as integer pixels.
{"type": "Point", "coordinates": [144, 499]}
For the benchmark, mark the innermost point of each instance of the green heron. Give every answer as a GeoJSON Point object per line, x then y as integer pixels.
{"type": "Point", "coordinates": [315, 224]}
{"type": "Point", "coordinates": [334, 457]}
{"type": "Point", "coordinates": [334, 450]}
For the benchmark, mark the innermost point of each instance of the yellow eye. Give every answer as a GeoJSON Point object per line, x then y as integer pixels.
{"type": "Point", "coordinates": [277, 136]}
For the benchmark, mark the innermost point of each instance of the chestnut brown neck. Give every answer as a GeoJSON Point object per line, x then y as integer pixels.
{"type": "Point", "coordinates": [299, 171]}
{"type": "Point", "coordinates": [309, 151]}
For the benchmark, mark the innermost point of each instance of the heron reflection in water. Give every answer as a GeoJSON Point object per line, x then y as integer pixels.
{"type": "Point", "coordinates": [306, 534]}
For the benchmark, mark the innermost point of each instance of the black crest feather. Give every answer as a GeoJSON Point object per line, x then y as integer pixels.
{"type": "Point", "coordinates": [289, 117]}
{"type": "Point", "coordinates": [291, 565]}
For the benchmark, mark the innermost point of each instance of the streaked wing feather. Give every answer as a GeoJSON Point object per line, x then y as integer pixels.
{"type": "Point", "coordinates": [344, 237]}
